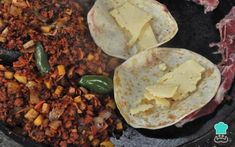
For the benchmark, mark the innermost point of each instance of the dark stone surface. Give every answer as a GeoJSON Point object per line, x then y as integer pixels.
{"type": "Point", "coordinates": [5, 141]}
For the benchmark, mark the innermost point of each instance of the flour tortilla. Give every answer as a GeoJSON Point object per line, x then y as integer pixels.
{"type": "Point", "coordinates": [113, 40]}
{"type": "Point", "coordinates": [142, 70]}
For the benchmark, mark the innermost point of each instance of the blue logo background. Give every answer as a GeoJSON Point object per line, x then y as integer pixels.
{"type": "Point", "coordinates": [221, 128]}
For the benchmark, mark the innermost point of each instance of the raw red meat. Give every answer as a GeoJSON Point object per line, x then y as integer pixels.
{"type": "Point", "coordinates": [227, 66]}
{"type": "Point", "coordinates": [209, 5]}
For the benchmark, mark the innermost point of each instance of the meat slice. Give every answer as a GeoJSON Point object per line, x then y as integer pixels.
{"type": "Point", "coordinates": [209, 5]}
{"type": "Point", "coordinates": [226, 47]}
{"type": "Point", "coordinates": [227, 34]}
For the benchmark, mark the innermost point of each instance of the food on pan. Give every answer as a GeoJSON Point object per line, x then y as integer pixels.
{"type": "Point", "coordinates": [209, 5]}
{"type": "Point", "coordinates": [175, 85]}
{"type": "Point", "coordinates": [123, 28]}
{"type": "Point", "coordinates": [149, 97]}
{"type": "Point", "coordinates": [55, 82]}
{"type": "Point", "coordinates": [226, 66]}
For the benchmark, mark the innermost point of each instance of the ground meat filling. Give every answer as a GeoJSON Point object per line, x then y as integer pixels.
{"type": "Point", "coordinates": [52, 108]}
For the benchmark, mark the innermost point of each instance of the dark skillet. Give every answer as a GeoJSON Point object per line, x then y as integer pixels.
{"type": "Point", "coordinates": [196, 31]}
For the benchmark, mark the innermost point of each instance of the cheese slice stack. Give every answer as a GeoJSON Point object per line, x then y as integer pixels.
{"type": "Point", "coordinates": [146, 38]}
{"type": "Point", "coordinates": [136, 23]}
{"type": "Point", "coordinates": [173, 86]}
{"type": "Point", "coordinates": [176, 85]}
{"type": "Point", "coordinates": [186, 76]}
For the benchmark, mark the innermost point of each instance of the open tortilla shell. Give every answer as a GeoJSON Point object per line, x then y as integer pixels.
{"type": "Point", "coordinates": [142, 70]}
{"type": "Point", "coordinates": [113, 40]}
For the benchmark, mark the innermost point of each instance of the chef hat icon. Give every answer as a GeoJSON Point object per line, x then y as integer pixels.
{"type": "Point", "coordinates": [221, 128]}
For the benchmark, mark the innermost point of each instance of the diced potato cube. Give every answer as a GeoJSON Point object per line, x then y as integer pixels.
{"type": "Point", "coordinates": [31, 114]}
{"type": "Point", "coordinates": [69, 11]}
{"type": "Point", "coordinates": [46, 29]}
{"type": "Point", "coordinates": [90, 57]}
{"type": "Point", "coordinates": [61, 70]}
{"type": "Point", "coordinates": [8, 75]}
{"type": "Point", "coordinates": [48, 83]}
{"type": "Point", "coordinates": [1, 23]}
{"type": "Point", "coordinates": [12, 87]}
{"type": "Point", "coordinates": [106, 144]}
{"type": "Point", "coordinates": [2, 39]}
{"type": "Point", "coordinates": [119, 126]}
{"type": "Point", "coordinates": [82, 106]}
{"type": "Point", "coordinates": [58, 90]}
{"type": "Point", "coordinates": [79, 111]}
{"type": "Point", "coordinates": [33, 97]}
{"type": "Point", "coordinates": [77, 99]}
{"type": "Point", "coordinates": [20, 78]}
{"type": "Point", "coordinates": [5, 31]}
{"type": "Point", "coordinates": [2, 68]}
{"type": "Point", "coordinates": [90, 137]}
{"type": "Point", "coordinates": [45, 108]}
{"type": "Point", "coordinates": [38, 121]}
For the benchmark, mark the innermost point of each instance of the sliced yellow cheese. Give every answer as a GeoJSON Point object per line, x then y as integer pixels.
{"type": "Point", "coordinates": [158, 101]}
{"type": "Point", "coordinates": [148, 96]}
{"type": "Point", "coordinates": [162, 90]}
{"type": "Point", "coordinates": [186, 76]}
{"type": "Point", "coordinates": [132, 19]}
{"type": "Point", "coordinates": [147, 38]}
{"type": "Point", "coordinates": [162, 102]}
{"type": "Point", "coordinates": [140, 108]}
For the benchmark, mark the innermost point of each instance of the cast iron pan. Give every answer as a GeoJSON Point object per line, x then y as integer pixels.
{"type": "Point", "coordinates": [196, 31]}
